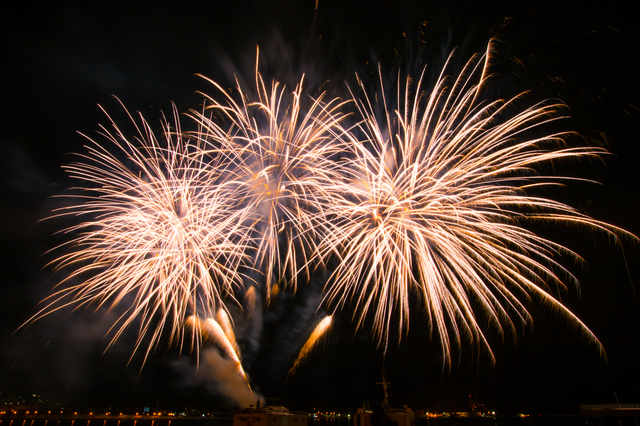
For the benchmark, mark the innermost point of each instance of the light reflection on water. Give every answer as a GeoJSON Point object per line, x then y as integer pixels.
{"type": "Point", "coordinates": [228, 421]}
{"type": "Point", "coordinates": [207, 421]}
{"type": "Point", "coordinates": [342, 421]}
{"type": "Point", "coordinates": [501, 421]}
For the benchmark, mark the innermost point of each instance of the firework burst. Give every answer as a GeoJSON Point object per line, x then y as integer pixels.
{"type": "Point", "coordinates": [158, 236]}
{"type": "Point", "coordinates": [425, 205]}
{"type": "Point", "coordinates": [278, 157]}
{"type": "Point", "coordinates": [435, 208]}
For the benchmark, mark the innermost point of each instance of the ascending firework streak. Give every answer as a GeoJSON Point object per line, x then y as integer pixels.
{"type": "Point", "coordinates": [320, 331]}
{"type": "Point", "coordinates": [227, 328]}
{"type": "Point", "coordinates": [434, 207]}
{"type": "Point", "coordinates": [277, 159]}
{"type": "Point", "coordinates": [159, 235]}
{"type": "Point", "coordinates": [222, 336]}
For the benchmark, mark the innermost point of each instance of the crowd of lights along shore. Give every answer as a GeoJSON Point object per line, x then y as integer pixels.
{"type": "Point", "coordinates": [425, 205]}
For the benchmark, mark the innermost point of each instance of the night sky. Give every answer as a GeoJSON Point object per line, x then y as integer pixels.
{"type": "Point", "coordinates": [60, 62]}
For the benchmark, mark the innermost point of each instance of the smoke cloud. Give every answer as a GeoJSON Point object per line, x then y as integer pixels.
{"type": "Point", "coordinates": [219, 376]}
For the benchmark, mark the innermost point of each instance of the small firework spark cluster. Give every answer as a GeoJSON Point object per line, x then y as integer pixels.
{"type": "Point", "coordinates": [422, 205]}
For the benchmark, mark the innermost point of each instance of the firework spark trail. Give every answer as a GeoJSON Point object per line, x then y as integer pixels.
{"type": "Point", "coordinates": [435, 210]}
{"type": "Point", "coordinates": [225, 324]}
{"type": "Point", "coordinates": [214, 331]}
{"type": "Point", "coordinates": [250, 302]}
{"type": "Point", "coordinates": [319, 331]}
{"type": "Point", "coordinates": [158, 236]}
{"type": "Point", "coordinates": [278, 159]}
{"type": "Point", "coordinates": [217, 333]}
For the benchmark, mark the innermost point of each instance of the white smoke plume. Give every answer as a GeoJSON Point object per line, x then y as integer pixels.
{"type": "Point", "coordinates": [219, 376]}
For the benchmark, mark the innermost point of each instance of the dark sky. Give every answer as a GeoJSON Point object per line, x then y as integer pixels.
{"type": "Point", "coordinates": [60, 62]}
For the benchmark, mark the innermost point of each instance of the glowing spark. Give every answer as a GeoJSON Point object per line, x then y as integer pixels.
{"type": "Point", "coordinates": [434, 207]}
{"type": "Point", "coordinates": [320, 331]}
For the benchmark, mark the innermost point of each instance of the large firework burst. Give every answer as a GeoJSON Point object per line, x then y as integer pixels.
{"type": "Point", "coordinates": [436, 206]}
{"type": "Point", "coordinates": [278, 156]}
{"type": "Point", "coordinates": [430, 201]}
{"type": "Point", "coordinates": [158, 235]}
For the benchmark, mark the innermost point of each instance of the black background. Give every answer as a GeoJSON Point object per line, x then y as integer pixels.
{"type": "Point", "coordinates": [60, 61]}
